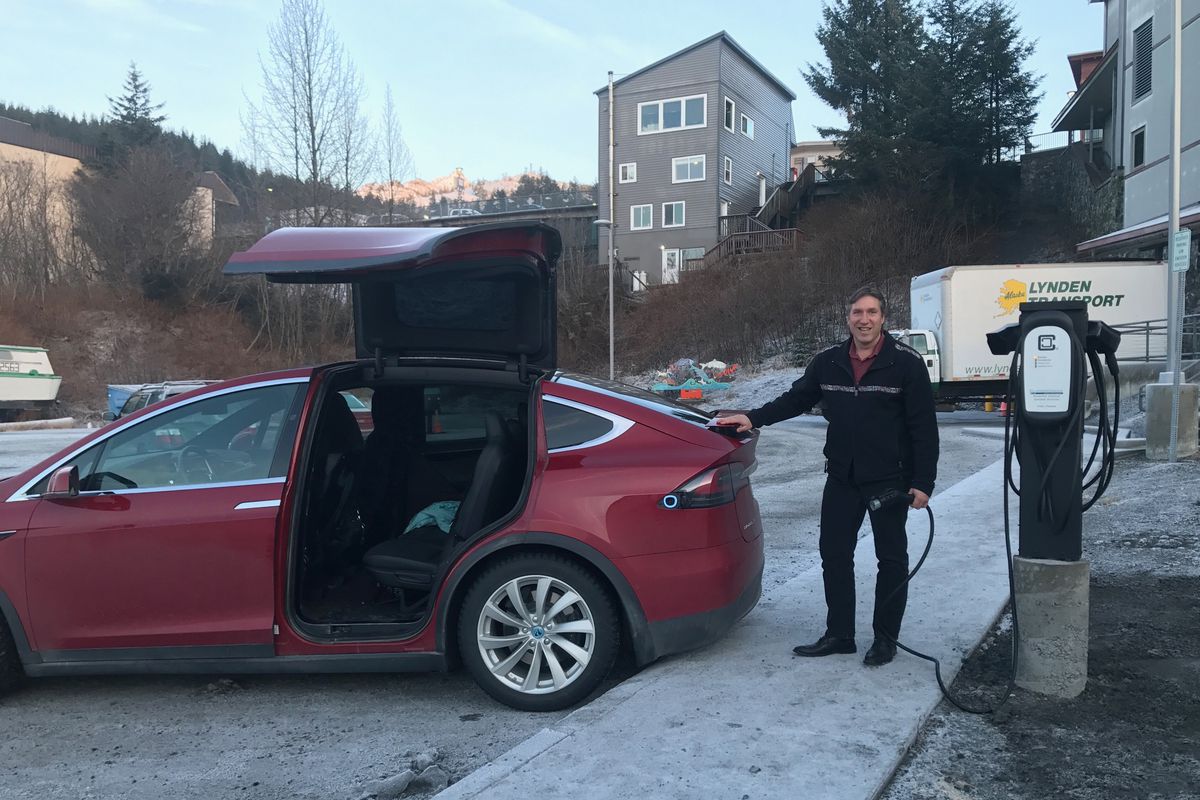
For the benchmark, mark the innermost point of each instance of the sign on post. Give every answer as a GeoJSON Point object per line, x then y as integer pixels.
{"type": "Point", "coordinates": [1181, 250]}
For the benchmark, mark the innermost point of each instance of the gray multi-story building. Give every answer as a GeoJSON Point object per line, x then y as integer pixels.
{"type": "Point", "coordinates": [1123, 108]}
{"type": "Point", "coordinates": [700, 136]}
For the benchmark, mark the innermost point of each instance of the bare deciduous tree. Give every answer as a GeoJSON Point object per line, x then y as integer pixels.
{"type": "Point", "coordinates": [397, 159]}
{"type": "Point", "coordinates": [38, 247]}
{"type": "Point", "coordinates": [356, 145]}
{"type": "Point", "coordinates": [141, 223]}
{"type": "Point", "coordinates": [306, 106]}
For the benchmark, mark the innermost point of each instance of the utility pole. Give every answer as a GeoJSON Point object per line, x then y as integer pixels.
{"type": "Point", "coordinates": [612, 221]}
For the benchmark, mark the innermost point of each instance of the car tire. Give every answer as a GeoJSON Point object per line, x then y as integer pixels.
{"type": "Point", "coordinates": [11, 673]}
{"type": "Point", "coordinates": [567, 628]}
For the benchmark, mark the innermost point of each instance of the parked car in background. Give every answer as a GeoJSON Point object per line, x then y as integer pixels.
{"type": "Point", "coordinates": [463, 212]}
{"type": "Point", "coordinates": [361, 411]}
{"type": "Point", "coordinates": [500, 514]}
{"type": "Point", "coordinates": [140, 396]}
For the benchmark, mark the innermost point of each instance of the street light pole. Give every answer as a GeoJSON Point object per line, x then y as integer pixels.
{"type": "Point", "coordinates": [1175, 284]}
{"type": "Point", "coordinates": [612, 216]}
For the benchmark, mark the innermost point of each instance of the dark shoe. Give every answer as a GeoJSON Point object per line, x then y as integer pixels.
{"type": "Point", "coordinates": [825, 646]}
{"type": "Point", "coordinates": [882, 651]}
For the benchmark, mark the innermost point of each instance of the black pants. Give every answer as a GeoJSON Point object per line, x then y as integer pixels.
{"type": "Point", "coordinates": [843, 506]}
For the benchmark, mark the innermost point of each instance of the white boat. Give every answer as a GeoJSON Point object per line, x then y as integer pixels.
{"type": "Point", "coordinates": [27, 381]}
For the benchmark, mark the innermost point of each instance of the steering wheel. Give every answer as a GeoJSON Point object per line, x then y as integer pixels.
{"type": "Point", "coordinates": [197, 456]}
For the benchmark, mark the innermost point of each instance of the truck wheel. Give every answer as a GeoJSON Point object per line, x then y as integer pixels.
{"type": "Point", "coordinates": [11, 672]}
{"type": "Point", "coordinates": [538, 632]}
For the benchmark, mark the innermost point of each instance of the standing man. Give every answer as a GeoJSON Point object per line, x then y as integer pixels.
{"type": "Point", "coordinates": [882, 435]}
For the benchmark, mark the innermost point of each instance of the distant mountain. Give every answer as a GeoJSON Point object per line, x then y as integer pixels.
{"type": "Point", "coordinates": [418, 191]}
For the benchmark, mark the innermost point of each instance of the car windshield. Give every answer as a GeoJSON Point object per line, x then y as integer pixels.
{"type": "Point", "coordinates": [635, 395]}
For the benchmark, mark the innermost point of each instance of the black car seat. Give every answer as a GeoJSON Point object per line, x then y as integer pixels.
{"type": "Point", "coordinates": [396, 479]}
{"type": "Point", "coordinates": [332, 509]}
{"type": "Point", "coordinates": [411, 561]}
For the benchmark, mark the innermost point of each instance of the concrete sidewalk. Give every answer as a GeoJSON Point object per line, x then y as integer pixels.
{"type": "Point", "coordinates": [744, 718]}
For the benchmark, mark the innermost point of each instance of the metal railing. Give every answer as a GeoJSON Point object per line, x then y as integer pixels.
{"type": "Point", "coordinates": [1058, 140]}
{"type": "Point", "coordinates": [1147, 341]}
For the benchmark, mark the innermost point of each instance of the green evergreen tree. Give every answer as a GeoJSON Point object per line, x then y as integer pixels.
{"type": "Point", "coordinates": [1010, 94]}
{"type": "Point", "coordinates": [948, 116]}
{"type": "Point", "coordinates": [134, 118]}
{"type": "Point", "coordinates": [873, 49]}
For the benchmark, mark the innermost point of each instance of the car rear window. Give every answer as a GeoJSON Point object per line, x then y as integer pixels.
{"type": "Point", "coordinates": [569, 427]}
{"type": "Point", "coordinates": [635, 395]}
{"type": "Point", "coordinates": [473, 305]}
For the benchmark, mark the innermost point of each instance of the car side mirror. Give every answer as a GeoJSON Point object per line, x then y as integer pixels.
{"type": "Point", "coordinates": [108, 416]}
{"type": "Point", "coordinates": [64, 483]}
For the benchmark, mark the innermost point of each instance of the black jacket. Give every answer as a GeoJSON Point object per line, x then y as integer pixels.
{"type": "Point", "coordinates": [885, 428]}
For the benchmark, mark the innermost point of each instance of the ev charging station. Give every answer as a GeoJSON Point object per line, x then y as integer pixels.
{"type": "Point", "coordinates": [1053, 345]}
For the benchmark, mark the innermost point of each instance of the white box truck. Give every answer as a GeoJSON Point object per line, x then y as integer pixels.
{"type": "Point", "coordinates": [953, 310]}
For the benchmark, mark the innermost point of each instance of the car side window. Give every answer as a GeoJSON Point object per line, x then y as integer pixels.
{"type": "Point", "coordinates": [458, 413]}
{"type": "Point", "coordinates": [567, 426]}
{"type": "Point", "coordinates": [136, 401]}
{"type": "Point", "coordinates": [223, 439]}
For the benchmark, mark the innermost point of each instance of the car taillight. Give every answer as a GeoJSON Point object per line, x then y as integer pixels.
{"type": "Point", "coordinates": [713, 487]}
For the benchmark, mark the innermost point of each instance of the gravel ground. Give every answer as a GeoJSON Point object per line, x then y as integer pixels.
{"type": "Point", "coordinates": [1135, 730]}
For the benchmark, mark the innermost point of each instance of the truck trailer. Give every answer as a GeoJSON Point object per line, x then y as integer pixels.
{"type": "Point", "coordinates": [954, 308]}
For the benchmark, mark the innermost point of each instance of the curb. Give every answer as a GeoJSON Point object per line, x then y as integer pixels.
{"type": "Point", "coordinates": [40, 424]}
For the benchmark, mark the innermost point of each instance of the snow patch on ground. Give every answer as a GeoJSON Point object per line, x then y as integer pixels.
{"type": "Point", "coordinates": [753, 387]}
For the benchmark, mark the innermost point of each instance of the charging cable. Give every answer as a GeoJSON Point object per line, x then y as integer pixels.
{"type": "Point", "coordinates": [1105, 445]}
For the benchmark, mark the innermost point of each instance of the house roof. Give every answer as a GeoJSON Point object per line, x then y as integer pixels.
{"type": "Point", "coordinates": [221, 192]}
{"type": "Point", "coordinates": [22, 134]}
{"type": "Point", "coordinates": [1094, 97]}
{"type": "Point", "coordinates": [780, 85]}
{"type": "Point", "coordinates": [1150, 233]}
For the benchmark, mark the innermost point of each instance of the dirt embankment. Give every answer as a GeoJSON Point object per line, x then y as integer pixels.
{"type": "Point", "coordinates": [96, 337]}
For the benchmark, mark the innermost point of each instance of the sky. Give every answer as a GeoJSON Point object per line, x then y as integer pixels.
{"type": "Point", "coordinates": [492, 86]}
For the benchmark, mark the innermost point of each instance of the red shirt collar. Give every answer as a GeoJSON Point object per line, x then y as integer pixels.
{"type": "Point", "coordinates": [874, 352]}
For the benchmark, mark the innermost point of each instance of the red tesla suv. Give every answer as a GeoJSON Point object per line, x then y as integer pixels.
{"type": "Point", "coordinates": [496, 512]}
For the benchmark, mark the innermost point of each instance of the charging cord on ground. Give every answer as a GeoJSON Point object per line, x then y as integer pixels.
{"type": "Point", "coordinates": [892, 499]}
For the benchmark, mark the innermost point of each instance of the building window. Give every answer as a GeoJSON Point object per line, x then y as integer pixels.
{"type": "Point", "coordinates": [692, 254]}
{"type": "Point", "coordinates": [675, 114]}
{"type": "Point", "coordinates": [1139, 147]}
{"type": "Point", "coordinates": [730, 116]}
{"type": "Point", "coordinates": [687, 169]}
{"type": "Point", "coordinates": [728, 176]}
{"type": "Point", "coordinates": [641, 218]}
{"type": "Point", "coordinates": [747, 126]}
{"type": "Point", "coordinates": [673, 215]}
{"type": "Point", "coordinates": [1143, 59]}
{"type": "Point", "coordinates": [627, 173]}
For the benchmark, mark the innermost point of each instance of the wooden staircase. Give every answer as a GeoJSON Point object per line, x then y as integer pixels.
{"type": "Point", "coordinates": [770, 229]}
